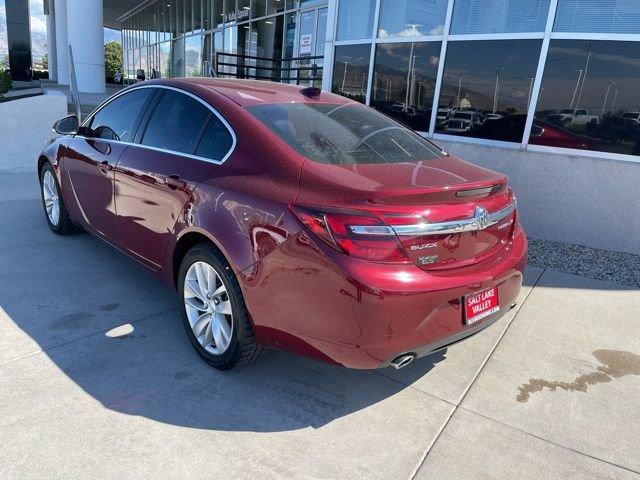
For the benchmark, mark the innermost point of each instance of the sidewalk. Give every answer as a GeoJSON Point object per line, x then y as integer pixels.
{"type": "Point", "coordinates": [88, 101]}
{"type": "Point", "coordinates": [97, 379]}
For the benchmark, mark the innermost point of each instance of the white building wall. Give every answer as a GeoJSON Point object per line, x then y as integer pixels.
{"type": "Point", "coordinates": [573, 199]}
{"type": "Point", "coordinates": [21, 145]}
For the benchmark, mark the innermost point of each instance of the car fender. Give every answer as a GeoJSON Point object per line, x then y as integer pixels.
{"type": "Point", "coordinates": [244, 228]}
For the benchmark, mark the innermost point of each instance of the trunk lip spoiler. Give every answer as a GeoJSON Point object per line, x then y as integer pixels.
{"type": "Point", "coordinates": [480, 220]}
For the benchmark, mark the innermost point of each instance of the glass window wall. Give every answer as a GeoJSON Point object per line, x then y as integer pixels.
{"type": "Point", "coordinates": [589, 98]}
{"type": "Point", "coordinates": [355, 19]}
{"type": "Point", "coordinates": [258, 8]}
{"type": "Point", "coordinates": [598, 16]}
{"type": "Point", "coordinates": [351, 71]}
{"type": "Point", "coordinates": [411, 18]}
{"type": "Point", "coordinates": [193, 56]}
{"type": "Point", "coordinates": [218, 12]}
{"type": "Point", "coordinates": [267, 43]}
{"type": "Point", "coordinates": [486, 88]}
{"type": "Point", "coordinates": [404, 79]}
{"type": "Point", "coordinates": [499, 16]}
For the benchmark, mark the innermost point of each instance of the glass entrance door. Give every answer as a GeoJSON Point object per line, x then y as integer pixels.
{"type": "Point", "coordinates": [311, 39]}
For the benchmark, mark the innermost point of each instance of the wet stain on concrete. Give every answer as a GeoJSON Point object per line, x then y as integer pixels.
{"type": "Point", "coordinates": [71, 321]}
{"type": "Point", "coordinates": [109, 307]}
{"type": "Point", "coordinates": [614, 364]}
{"type": "Point", "coordinates": [181, 375]}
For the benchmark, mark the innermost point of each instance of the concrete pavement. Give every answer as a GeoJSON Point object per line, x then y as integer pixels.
{"type": "Point", "coordinates": [98, 380]}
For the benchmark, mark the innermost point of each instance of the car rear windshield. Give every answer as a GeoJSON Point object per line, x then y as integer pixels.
{"type": "Point", "coordinates": [345, 134]}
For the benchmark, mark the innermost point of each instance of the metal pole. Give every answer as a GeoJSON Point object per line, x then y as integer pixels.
{"type": "Point", "coordinates": [613, 104]}
{"type": "Point", "coordinates": [606, 97]}
{"type": "Point", "coordinates": [575, 90]}
{"type": "Point", "coordinates": [495, 93]}
{"type": "Point", "coordinates": [73, 86]}
{"type": "Point", "coordinates": [344, 76]}
{"type": "Point", "coordinates": [584, 78]}
{"type": "Point", "coordinates": [406, 96]}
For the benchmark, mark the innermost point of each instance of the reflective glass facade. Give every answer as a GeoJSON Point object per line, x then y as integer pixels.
{"type": "Point", "coordinates": [243, 38]}
{"type": "Point", "coordinates": [537, 74]}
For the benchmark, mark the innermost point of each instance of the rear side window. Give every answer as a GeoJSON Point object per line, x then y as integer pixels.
{"type": "Point", "coordinates": [347, 134]}
{"type": "Point", "coordinates": [176, 123]}
{"type": "Point", "coordinates": [216, 140]}
{"type": "Point", "coordinates": [117, 120]}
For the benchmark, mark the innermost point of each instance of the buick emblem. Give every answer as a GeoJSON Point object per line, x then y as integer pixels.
{"type": "Point", "coordinates": [481, 217]}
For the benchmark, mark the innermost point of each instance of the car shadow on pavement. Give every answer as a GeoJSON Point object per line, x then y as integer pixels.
{"type": "Point", "coordinates": [87, 292]}
{"type": "Point", "coordinates": [153, 372]}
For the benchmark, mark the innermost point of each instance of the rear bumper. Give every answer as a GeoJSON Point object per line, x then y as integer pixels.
{"type": "Point", "coordinates": [428, 349]}
{"type": "Point", "coordinates": [312, 300]}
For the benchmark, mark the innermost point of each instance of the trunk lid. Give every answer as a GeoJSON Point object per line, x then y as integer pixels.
{"type": "Point", "coordinates": [446, 212]}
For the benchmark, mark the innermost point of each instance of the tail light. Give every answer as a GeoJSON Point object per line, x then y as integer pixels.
{"type": "Point", "coordinates": [359, 234]}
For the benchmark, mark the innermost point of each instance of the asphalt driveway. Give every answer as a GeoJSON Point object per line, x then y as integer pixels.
{"type": "Point", "coordinates": [97, 380]}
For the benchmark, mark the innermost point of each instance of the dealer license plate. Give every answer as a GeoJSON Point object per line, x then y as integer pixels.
{"type": "Point", "coordinates": [480, 305]}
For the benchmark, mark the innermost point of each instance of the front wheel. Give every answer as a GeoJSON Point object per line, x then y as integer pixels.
{"type": "Point", "coordinates": [214, 314]}
{"type": "Point", "coordinates": [54, 209]}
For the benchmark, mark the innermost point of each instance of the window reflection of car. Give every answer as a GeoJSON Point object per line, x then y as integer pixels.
{"type": "Point", "coordinates": [461, 122]}
{"type": "Point", "coordinates": [570, 116]}
{"type": "Point", "coordinates": [415, 117]}
{"type": "Point", "coordinates": [493, 116]}
{"type": "Point", "coordinates": [632, 115]}
{"type": "Point", "coordinates": [399, 108]}
{"type": "Point", "coordinates": [582, 117]}
{"type": "Point", "coordinates": [559, 119]}
{"type": "Point", "coordinates": [511, 129]}
{"type": "Point", "coordinates": [441, 118]}
{"type": "Point", "coordinates": [566, 113]}
{"type": "Point", "coordinates": [477, 118]}
{"type": "Point", "coordinates": [615, 129]}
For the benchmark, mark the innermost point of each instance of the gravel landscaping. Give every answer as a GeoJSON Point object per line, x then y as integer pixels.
{"type": "Point", "coordinates": [622, 268]}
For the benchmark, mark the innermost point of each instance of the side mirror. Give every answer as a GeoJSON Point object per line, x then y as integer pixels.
{"type": "Point", "coordinates": [67, 126]}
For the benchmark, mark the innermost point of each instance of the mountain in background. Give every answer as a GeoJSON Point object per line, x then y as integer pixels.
{"type": "Point", "coordinates": [39, 32]}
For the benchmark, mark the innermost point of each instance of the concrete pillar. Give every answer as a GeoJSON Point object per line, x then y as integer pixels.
{"type": "Point", "coordinates": [62, 41]}
{"type": "Point", "coordinates": [51, 40]}
{"type": "Point", "coordinates": [86, 36]}
{"type": "Point", "coordinates": [19, 39]}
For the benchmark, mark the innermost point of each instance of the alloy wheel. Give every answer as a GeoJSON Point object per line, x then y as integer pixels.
{"type": "Point", "coordinates": [51, 198]}
{"type": "Point", "coordinates": [208, 308]}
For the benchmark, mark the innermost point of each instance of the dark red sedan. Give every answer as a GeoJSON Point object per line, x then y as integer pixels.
{"type": "Point", "coordinates": [290, 218]}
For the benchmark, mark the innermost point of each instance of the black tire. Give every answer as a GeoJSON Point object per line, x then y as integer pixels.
{"type": "Point", "coordinates": [64, 226]}
{"type": "Point", "coordinates": [244, 347]}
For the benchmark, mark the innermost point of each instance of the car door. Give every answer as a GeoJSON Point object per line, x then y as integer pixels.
{"type": "Point", "coordinates": [91, 156]}
{"type": "Point", "coordinates": [181, 141]}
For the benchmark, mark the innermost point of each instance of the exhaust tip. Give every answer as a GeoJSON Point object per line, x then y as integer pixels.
{"type": "Point", "coordinates": [403, 360]}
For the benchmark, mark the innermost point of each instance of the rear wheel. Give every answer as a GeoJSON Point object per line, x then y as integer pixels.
{"type": "Point", "coordinates": [214, 314]}
{"type": "Point", "coordinates": [54, 209]}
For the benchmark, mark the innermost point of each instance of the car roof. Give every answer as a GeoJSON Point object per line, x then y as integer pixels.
{"type": "Point", "coordinates": [254, 92]}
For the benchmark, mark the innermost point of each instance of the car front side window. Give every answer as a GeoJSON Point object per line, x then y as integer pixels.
{"type": "Point", "coordinates": [118, 119]}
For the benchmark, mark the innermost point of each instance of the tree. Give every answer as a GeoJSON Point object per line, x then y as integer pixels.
{"type": "Point", "coordinates": [112, 58]}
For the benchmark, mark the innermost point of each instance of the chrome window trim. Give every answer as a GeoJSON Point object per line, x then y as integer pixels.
{"type": "Point", "coordinates": [158, 149]}
{"type": "Point", "coordinates": [479, 221]}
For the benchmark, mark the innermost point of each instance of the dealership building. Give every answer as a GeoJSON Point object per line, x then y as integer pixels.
{"type": "Point", "coordinates": [546, 91]}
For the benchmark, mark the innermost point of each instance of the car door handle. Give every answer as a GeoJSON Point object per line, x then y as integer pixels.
{"type": "Point", "coordinates": [104, 166]}
{"type": "Point", "coordinates": [174, 182]}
